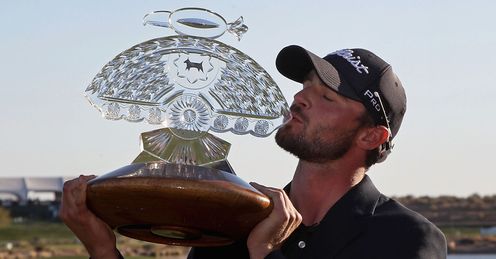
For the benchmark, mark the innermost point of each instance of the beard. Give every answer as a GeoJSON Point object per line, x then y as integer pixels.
{"type": "Point", "coordinates": [313, 147]}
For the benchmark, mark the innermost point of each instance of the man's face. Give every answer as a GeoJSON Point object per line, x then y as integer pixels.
{"type": "Point", "coordinates": [324, 123]}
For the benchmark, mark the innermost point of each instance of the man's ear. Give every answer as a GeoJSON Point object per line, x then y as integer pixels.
{"type": "Point", "coordinates": [372, 137]}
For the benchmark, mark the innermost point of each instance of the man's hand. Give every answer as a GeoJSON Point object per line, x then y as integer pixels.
{"type": "Point", "coordinates": [270, 233]}
{"type": "Point", "coordinates": [95, 234]}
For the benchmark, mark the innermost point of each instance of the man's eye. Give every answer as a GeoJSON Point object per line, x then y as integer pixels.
{"type": "Point", "coordinates": [327, 98]}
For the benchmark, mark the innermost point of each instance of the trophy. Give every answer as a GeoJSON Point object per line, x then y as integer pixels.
{"type": "Point", "coordinates": [180, 189]}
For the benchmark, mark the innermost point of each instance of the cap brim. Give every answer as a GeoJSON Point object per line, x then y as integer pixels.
{"type": "Point", "coordinates": [294, 62]}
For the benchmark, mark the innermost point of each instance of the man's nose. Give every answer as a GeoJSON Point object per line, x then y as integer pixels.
{"type": "Point", "coordinates": [302, 98]}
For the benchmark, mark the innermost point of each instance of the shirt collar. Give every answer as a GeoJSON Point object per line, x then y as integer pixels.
{"type": "Point", "coordinates": [360, 200]}
{"type": "Point", "coordinates": [345, 219]}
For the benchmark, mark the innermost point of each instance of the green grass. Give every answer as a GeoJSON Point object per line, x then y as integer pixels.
{"type": "Point", "coordinates": [35, 231]}
{"type": "Point", "coordinates": [452, 232]}
{"type": "Point", "coordinates": [85, 257]}
{"type": "Point", "coordinates": [57, 237]}
{"type": "Point", "coordinates": [70, 257]}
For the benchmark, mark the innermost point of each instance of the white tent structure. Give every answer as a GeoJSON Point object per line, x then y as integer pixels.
{"type": "Point", "coordinates": [21, 186]}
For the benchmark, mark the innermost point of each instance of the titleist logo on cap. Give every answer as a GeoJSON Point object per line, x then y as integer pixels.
{"type": "Point", "coordinates": [353, 60]}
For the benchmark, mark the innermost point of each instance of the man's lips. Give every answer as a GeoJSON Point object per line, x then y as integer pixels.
{"type": "Point", "coordinates": [296, 117]}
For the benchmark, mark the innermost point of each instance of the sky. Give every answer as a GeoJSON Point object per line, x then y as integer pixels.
{"type": "Point", "coordinates": [441, 50]}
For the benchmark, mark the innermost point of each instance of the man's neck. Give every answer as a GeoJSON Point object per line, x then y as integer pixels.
{"type": "Point", "coordinates": [316, 187]}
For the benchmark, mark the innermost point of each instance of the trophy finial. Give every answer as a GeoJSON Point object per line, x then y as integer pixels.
{"type": "Point", "coordinates": [237, 28]}
{"type": "Point", "coordinates": [157, 18]}
{"type": "Point", "coordinates": [192, 21]}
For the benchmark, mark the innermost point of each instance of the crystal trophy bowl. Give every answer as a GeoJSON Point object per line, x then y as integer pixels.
{"type": "Point", "coordinates": [180, 189]}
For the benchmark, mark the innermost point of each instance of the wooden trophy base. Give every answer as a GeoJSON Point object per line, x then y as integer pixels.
{"type": "Point", "coordinates": [177, 204]}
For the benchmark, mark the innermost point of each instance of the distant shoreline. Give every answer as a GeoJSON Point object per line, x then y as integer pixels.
{"type": "Point", "coordinates": [472, 246]}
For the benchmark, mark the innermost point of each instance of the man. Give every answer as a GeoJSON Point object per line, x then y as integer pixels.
{"type": "Point", "coordinates": [343, 121]}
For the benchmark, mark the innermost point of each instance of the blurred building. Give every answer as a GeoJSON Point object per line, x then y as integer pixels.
{"type": "Point", "coordinates": [22, 189]}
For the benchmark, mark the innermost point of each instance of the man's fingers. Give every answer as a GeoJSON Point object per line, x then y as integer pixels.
{"type": "Point", "coordinates": [281, 222]}
{"type": "Point", "coordinates": [87, 177]}
{"type": "Point", "coordinates": [79, 191]}
{"type": "Point", "coordinates": [74, 192]}
{"type": "Point", "coordinates": [278, 196]}
{"type": "Point", "coordinates": [94, 233]}
{"type": "Point", "coordinates": [269, 191]}
{"type": "Point", "coordinates": [262, 187]}
{"type": "Point", "coordinates": [283, 208]}
{"type": "Point", "coordinates": [76, 182]}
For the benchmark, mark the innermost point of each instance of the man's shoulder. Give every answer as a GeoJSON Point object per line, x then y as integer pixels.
{"type": "Point", "coordinates": [392, 210]}
{"type": "Point", "coordinates": [389, 212]}
{"type": "Point", "coordinates": [401, 228]}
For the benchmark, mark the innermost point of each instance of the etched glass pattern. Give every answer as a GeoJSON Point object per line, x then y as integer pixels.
{"type": "Point", "coordinates": [147, 79]}
{"type": "Point", "coordinates": [165, 145]}
{"type": "Point", "coordinates": [190, 83]}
